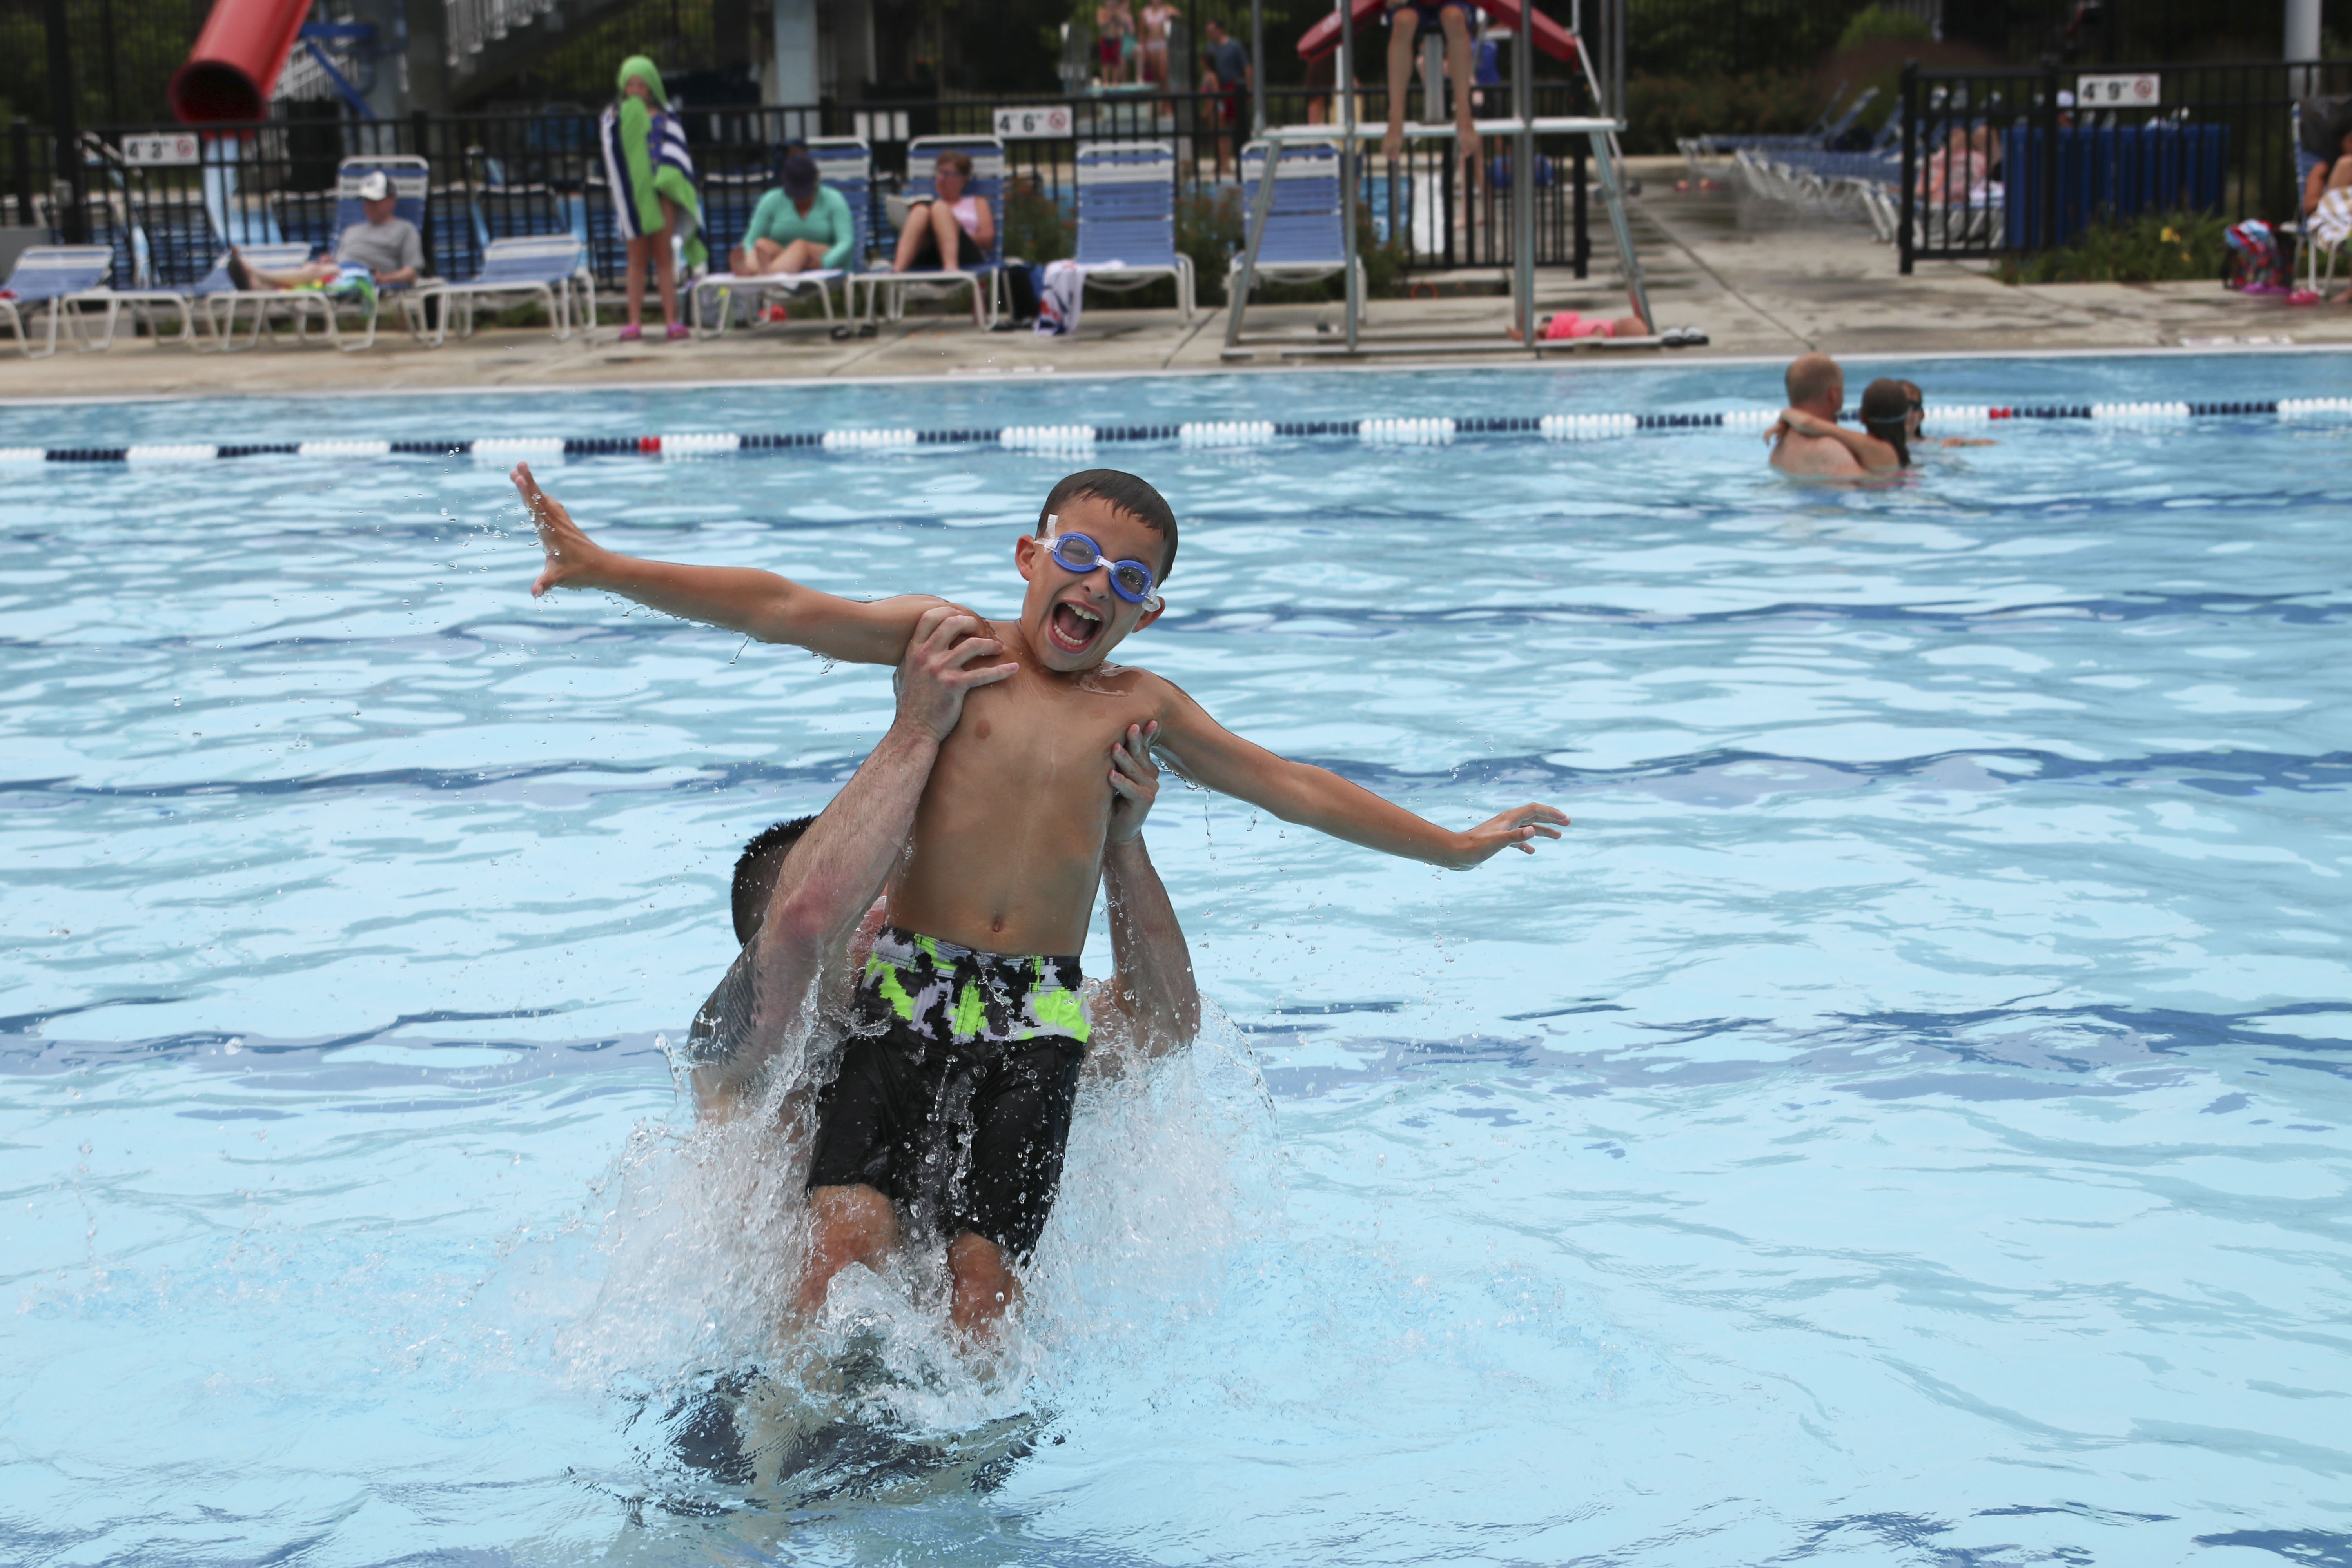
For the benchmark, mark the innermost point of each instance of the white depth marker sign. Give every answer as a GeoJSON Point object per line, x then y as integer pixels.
{"type": "Point", "coordinates": [2119, 91]}
{"type": "Point", "coordinates": [1019, 124]}
{"type": "Point", "coordinates": [170, 147]}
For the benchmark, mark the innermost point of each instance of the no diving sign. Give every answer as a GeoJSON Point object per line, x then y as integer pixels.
{"type": "Point", "coordinates": [2119, 91]}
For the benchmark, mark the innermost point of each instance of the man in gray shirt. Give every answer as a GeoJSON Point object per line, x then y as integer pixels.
{"type": "Point", "coordinates": [386, 249]}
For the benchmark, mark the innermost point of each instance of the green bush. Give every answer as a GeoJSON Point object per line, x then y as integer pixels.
{"type": "Point", "coordinates": [1034, 228]}
{"type": "Point", "coordinates": [1209, 230]}
{"type": "Point", "coordinates": [1877, 24]}
{"type": "Point", "coordinates": [2154, 248]}
{"type": "Point", "coordinates": [1702, 38]}
{"type": "Point", "coordinates": [1658, 109]}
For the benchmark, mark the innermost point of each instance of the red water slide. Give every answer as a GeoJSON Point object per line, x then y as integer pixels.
{"type": "Point", "coordinates": [235, 62]}
{"type": "Point", "coordinates": [1548, 35]}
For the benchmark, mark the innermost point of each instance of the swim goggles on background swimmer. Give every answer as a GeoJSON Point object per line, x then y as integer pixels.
{"type": "Point", "coordinates": [1130, 580]}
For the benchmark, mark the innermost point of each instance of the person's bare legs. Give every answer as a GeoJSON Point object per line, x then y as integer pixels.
{"type": "Point", "coordinates": [913, 227]}
{"type": "Point", "coordinates": [850, 1224]}
{"type": "Point", "coordinates": [936, 220]}
{"type": "Point", "coordinates": [1457, 68]}
{"type": "Point", "coordinates": [947, 234]}
{"type": "Point", "coordinates": [768, 256]}
{"type": "Point", "coordinates": [641, 250]}
{"type": "Point", "coordinates": [1404, 32]}
{"type": "Point", "coordinates": [984, 1287]}
{"type": "Point", "coordinates": [666, 262]}
{"type": "Point", "coordinates": [1636, 325]}
{"type": "Point", "coordinates": [290, 277]}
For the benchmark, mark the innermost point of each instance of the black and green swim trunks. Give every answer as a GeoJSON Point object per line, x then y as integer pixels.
{"type": "Point", "coordinates": [954, 1093]}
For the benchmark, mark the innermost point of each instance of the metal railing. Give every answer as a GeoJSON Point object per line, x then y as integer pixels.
{"type": "Point", "coordinates": [2009, 161]}
{"type": "Point", "coordinates": [495, 175]}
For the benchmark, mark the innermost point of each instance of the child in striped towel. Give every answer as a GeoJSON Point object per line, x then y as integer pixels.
{"type": "Point", "coordinates": [652, 176]}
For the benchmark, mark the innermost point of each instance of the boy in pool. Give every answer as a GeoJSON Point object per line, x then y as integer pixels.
{"type": "Point", "coordinates": [984, 919]}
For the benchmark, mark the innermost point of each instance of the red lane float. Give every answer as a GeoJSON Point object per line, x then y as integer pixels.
{"type": "Point", "coordinates": [1323, 37]}
{"type": "Point", "coordinates": [227, 76]}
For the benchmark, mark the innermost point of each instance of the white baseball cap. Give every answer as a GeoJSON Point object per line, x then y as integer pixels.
{"type": "Point", "coordinates": [374, 185]}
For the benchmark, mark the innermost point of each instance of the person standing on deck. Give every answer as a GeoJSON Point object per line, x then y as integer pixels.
{"type": "Point", "coordinates": [652, 177]}
{"type": "Point", "coordinates": [1114, 41]}
{"type": "Point", "coordinates": [1158, 16]}
{"type": "Point", "coordinates": [1229, 68]}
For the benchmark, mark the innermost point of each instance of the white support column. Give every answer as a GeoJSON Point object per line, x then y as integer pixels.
{"type": "Point", "coordinates": [2302, 43]}
{"type": "Point", "coordinates": [793, 80]}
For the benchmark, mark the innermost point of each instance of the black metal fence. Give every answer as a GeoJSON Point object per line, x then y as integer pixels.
{"type": "Point", "coordinates": [2003, 161]}
{"type": "Point", "coordinates": [168, 200]}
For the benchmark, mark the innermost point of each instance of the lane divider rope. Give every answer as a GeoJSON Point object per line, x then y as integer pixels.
{"type": "Point", "coordinates": [1381, 429]}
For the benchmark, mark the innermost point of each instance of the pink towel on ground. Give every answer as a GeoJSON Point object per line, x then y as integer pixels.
{"type": "Point", "coordinates": [1569, 324]}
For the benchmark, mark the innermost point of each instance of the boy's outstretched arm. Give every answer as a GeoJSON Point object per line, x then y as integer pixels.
{"type": "Point", "coordinates": [1210, 755]}
{"type": "Point", "coordinates": [758, 604]}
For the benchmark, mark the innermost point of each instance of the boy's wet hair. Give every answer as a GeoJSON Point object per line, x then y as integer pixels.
{"type": "Point", "coordinates": [755, 873]}
{"type": "Point", "coordinates": [1127, 494]}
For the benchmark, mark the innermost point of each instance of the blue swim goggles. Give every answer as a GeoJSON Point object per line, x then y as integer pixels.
{"type": "Point", "coordinates": [1074, 553]}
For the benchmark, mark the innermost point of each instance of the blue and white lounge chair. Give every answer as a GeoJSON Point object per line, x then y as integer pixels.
{"type": "Point", "coordinates": [1126, 218]}
{"type": "Point", "coordinates": [185, 255]}
{"type": "Point", "coordinates": [410, 176]}
{"type": "Point", "coordinates": [519, 212]}
{"type": "Point", "coordinates": [846, 164]}
{"type": "Point", "coordinates": [987, 185]}
{"type": "Point", "coordinates": [63, 278]}
{"type": "Point", "coordinates": [549, 267]}
{"type": "Point", "coordinates": [1304, 240]}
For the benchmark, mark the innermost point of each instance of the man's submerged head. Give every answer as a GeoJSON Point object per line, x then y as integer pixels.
{"type": "Point", "coordinates": [756, 869]}
{"type": "Point", "coordinates": [1076, 615]}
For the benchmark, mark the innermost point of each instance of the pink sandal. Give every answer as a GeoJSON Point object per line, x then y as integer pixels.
{"type": "Point", "coordinates": [631, 334]}
{"type": "Point", "coordinates": [679, 330]}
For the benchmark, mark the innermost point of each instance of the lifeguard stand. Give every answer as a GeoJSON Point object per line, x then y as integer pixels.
{"type": "Point", "coordinates": [1522, 127]}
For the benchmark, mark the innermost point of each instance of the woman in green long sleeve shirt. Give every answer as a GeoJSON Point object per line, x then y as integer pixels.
{"type": "Point", "coordinates": [802, 227]}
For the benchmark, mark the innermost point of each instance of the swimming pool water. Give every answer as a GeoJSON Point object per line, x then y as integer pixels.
{"type": "Point", "coordinates": [1902, 1122]}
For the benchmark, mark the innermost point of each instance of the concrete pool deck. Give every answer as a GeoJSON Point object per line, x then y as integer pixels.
{"type": "Point", "coordinates": [1758, 280]}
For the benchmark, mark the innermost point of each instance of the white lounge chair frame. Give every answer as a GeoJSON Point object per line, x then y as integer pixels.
{"type": "Point", "coordinates": [545, 266]}
{"type": "Point", "coordinates": [88, 262]}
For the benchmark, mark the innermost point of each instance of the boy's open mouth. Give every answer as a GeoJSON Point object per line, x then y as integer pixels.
{"type": "Point", "coordinates": [1073, 628]}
